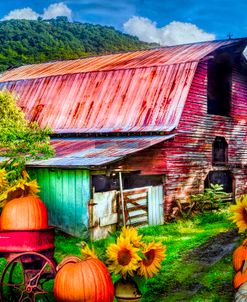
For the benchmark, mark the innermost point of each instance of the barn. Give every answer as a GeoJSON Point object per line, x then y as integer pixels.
{"type": "Point", "coordinates": [136, 132]}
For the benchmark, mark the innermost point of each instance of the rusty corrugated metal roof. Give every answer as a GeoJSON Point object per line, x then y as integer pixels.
{"type": "Point", "coordinates": [130, 100]}
{"type": "Point", "coordinates": [88, 152]}
{"type": "Point", "coordinates": [138, 91]}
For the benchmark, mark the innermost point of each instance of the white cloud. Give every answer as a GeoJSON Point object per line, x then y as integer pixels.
{"type": "Point", "coordinates": [24, 13]}
{"type": "Point", "coordinates": [245, 52]}
{"type": "Point", "coordinates": [52, 11]}
{"type": "Point", "coordinates": [57, 9]}
{"type": "Point", "coordinates": [172, 34]}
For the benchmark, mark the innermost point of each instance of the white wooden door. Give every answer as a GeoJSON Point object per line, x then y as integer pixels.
{"type": "Point", "coordinates": [103, 214]}
{"type": "Point", "coordinates": [155, 205]}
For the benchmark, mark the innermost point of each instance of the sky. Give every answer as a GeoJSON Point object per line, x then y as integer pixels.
{"type": "Point", "coordinates": [166, 22]}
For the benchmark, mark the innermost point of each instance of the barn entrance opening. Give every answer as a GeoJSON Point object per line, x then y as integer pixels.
{"type": "Point", "coordinates": [223, 178]}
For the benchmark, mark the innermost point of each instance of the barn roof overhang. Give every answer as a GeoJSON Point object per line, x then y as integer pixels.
{"type": "Point", "coordinates": [92, 153]}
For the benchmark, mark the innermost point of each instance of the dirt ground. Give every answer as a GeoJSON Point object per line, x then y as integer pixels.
{"type": "Point", "coordinates": [204, 257]}
{"type": "Point", "coordinates": [215, 248]}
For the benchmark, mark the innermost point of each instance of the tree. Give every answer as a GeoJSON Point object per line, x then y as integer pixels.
{"type": "Point", "coordinates": [35, 41]}
{"type": "Point", "coordinates": [20, 141]}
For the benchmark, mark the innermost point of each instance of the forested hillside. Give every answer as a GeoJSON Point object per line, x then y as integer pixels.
{"type": "Point", "coordinates": [27, 41]}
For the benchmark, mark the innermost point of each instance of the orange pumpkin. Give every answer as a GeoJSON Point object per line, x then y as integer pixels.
{"type": "Point", "coordinates": [239, 279]}
{"type": "Point", "coordinates": [24, 213]}
{"type": "Point", "coordinates": [238, 257]}
{"type": "Point", "coordinates": [80, 280]}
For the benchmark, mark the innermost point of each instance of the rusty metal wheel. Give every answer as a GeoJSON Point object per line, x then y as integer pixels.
{"type": "Point", "coordinates": [28, 277]}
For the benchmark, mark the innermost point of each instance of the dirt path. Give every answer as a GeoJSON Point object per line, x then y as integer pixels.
{"type": "Point", "coordinates": [215, 248]}
{"type": "Point", "coordinates": [201, 260]}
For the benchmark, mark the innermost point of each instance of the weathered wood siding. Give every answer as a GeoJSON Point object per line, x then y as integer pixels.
{"type": "Point", "coordinates": [187, 159]}
{"type": "Point", "coordinates": [189, 156]}
{"type": "Point", "coordinates": [66, 194]}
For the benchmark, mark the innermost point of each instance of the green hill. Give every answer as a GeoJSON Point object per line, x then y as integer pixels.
{"type": "Point", "coordinates": [27, 41]}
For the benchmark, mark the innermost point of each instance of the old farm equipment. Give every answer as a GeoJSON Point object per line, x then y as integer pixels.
{"type": "Point", "coordinates": [30, 267]}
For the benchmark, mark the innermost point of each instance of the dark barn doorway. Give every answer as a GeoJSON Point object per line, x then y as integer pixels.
{"type": "Point", "coordinates": [220, 151]}
{"type": "Point", "coordinates": [223, 178]}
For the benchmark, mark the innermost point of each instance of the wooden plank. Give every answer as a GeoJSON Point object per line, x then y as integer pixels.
{"type": "Point", "coordinates": [137, 223]}
{"type": "Point", "coordinates": [59, 198]}
{"type": "Point", "coordinates": [108, 220]}
{"type": "Point", "coordinates": [134, 200]}
{"type": "Point", "coordinates": [134, 191]}
{"type": "Point", "coordinates": [66, 194]}
{"type": "Point", "coordinates": [136, 208]}
{"type": "Point", "coordinates": [84, 195]}
{"type": "Point", "coordinates": [66, 208]}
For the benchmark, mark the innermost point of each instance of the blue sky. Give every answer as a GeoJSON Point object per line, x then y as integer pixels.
{"type": "Point", "coordinates": [216, 18]}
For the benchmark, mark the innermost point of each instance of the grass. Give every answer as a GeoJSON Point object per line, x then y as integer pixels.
{"type": "Point", "coordinates": [178, 272]}
{"type": "Point", "coordinates": [179, 277]}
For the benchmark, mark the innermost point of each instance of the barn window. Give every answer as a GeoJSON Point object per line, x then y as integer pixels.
{"type": "Point", "coordinates": [103, 183]}
{"type": "Point", "coordinates": [219, 85]}
{"type": "Point", "coordinates": [135, 180]}
{"type": "Point", "coordinates": [220, 151]}
{"type": "Point", "coordinates": [223, 178]}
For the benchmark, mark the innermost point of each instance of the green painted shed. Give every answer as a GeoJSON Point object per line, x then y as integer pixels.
{"type": "Point", "coordinates": [66, 193]}
{"type": "Point", "coordinates": [85, 189]}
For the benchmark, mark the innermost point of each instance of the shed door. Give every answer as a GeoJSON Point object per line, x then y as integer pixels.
{"type": "Point", "coordinates": [155, 205]}
{"type": "Point", "coordinates": [103, 214]}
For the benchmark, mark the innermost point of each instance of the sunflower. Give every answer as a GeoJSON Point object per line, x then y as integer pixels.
{"type": "Point", "coordinates": [240, 213]}
{"type": "Point", "coordinates": [131, 234]}
{"type": "Point", "coordinates": [154, 254]}
{"type": "Point", "coordinates": [3, 174]}
{"type": "Point", "coordinates": [88, 253]}
{"type": "Point", "coordinates": [122, 257]}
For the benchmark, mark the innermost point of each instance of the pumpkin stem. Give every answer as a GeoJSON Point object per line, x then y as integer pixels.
{"type": "Point", "coordinates": [68, 259]}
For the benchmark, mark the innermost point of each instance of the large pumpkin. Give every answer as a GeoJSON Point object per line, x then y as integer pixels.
{"type": "Point", "coordinates": [239, 279]}
{"type": "Point", "coordinates": [239, 255]}
{"type": "Point", "coordinates": [24, 213]}
{"type": "Point", "coordinates": [80, 280]}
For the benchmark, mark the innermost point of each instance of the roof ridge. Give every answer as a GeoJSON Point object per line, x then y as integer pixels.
{"type": "Point", "coordinates": [131, 51]}
{"type": "Point", "coordinates": [145, 58]}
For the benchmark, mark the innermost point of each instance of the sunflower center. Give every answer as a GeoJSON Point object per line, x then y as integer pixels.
{"type": "Point", "coordinates": [245, 215]}
{"type": "Point", "coordinates": [124, 257]}
{"type": "Point", "coordinates": [150, 255]}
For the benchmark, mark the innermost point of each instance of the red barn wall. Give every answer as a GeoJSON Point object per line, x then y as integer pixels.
{"type": "Point", "coordinates": [187, 159]}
